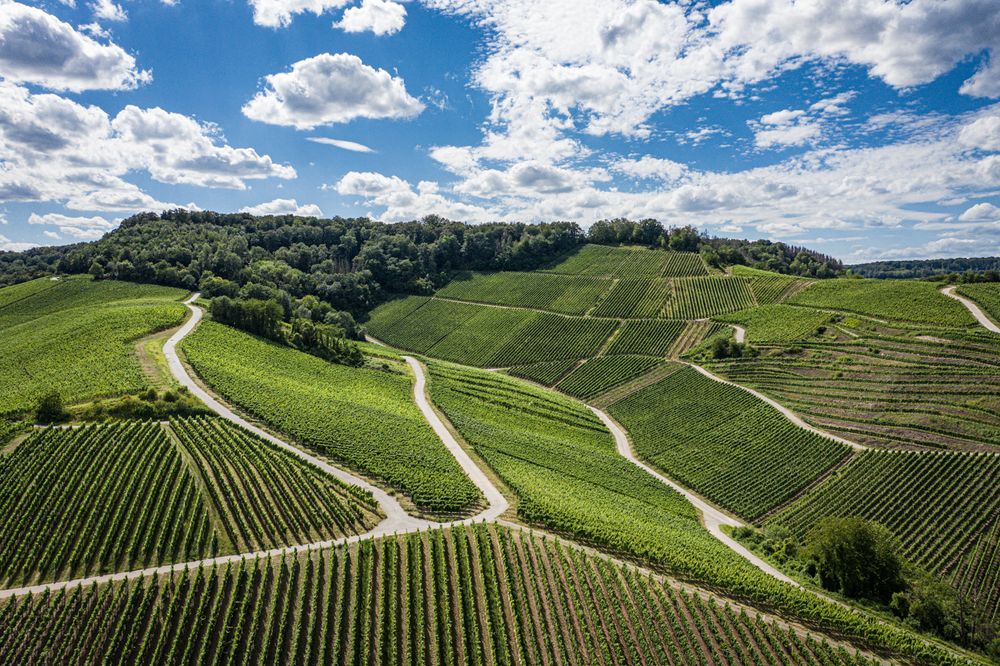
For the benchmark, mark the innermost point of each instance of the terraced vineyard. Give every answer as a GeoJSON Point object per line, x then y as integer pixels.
{"type": "Point", "coordinates": [632, 298]}
{"type": "Point", "coordinates": [83, 501]}
{"type": "Point", "coordinates": [77, 337]}
{"type": "Point", "coordinates": [544, 373]}
{"type": "Point", "coordinates": [567, 294]}
{"type": "Point", "coordinates": [647, 337]}
{"type": "Point", "coordinates": [363, 417]}
{"type": "Point", "coordinates": [266, 496]}
{"type": "Point", "coordinates": [943, 506]}
{"type": "Point", "coordinates": [886, 387]}
{"type": "Point", "coordinates": [697, 298]}
{"type": "Point", "coordinates": [901, 300]}
{"type": "Point", "coordinates": [488, 336]}
{"type": "Point", "coordinates": [604, 373]}
{"type": "Point", "coordinates": [769, 288]}
{"type": "Point", "coordinates": [628, 262]}
{"type": "Point", "coordinates": [467, 596]}
{"type": "Point", "coordinates": [723, 442]}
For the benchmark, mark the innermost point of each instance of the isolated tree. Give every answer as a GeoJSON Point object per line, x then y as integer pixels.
{"type": "Point", "coordinates": [50, 408]}
{"type": "Point", "coordinates": [857, 558]}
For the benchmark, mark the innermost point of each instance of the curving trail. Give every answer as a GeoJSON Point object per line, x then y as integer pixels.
{"type": "Point", "coordinates": [980, 316]}
{"type": "Point", "coordinates": [787, 413]}
{"type": "Point", "coordinates": [712, 516]}
{"type": "Point", "coordinates": [740, 332]}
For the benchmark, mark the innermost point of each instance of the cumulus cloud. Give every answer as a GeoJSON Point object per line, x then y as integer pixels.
{"type": "Point", "coordinates": [7, 245]}
{"type": "Point", "coordinates": [788, 127]}
{"type": "Point", "coordinates": [382, 17]}
{"type": "Point", "coordinates": [78, 228]}
{"type": "Point", "coordinates": [342, 144]}
{"type": "Point", "coordinates": [983, 133]}
{"type": "Point", "coordinates": [399, 201]}
{"type": "Point", "coordinates": [58, 150]}
{"type": "Point", "coordinates": [38, 48]}
{"type": "Point", "coordinates": [107, 10]}
{"type": "Point", "coordinates": [284, 207]}
{"type": "Point", "coordinates": [648, 166]}
{"type": "Point", "coordinates": [328, 89]}
{"type": "Point", "coordinates": [279, 13]}
{"type": "Point", "coordinates": [981, 212]}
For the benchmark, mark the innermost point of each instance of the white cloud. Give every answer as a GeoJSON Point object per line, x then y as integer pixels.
{"type": "Point", "coordinates": [58, 150]}
{"type": "Point", "coordinates": [279, 13]}
{"type": "Point", "coordinates": [981, 212]}
{"type": "Point", "coordinates": [382, 17]}
{"type": "Point", "coordinates": [341, 143]}
{"type": "Point", "coordinates": [36, 47]}
{"type": "Point", "coordinates": [400, 202]}
{"type": "Point", "coordinates": [327, 89]}
{"type": "Point", "coordinates": [786, 135]}
{"type": "Point", "coordinates": [107, 10]}
{"type": "Point", "coordinates": [650, 167]}
{"type": "Point", "coordinates": [284, 207]}
{"type": "Point", "coordinates": [79, 228]}
{"type": "Point", "coordinates": [7, 245]}
{"type": "Point", "coordinates": [982, 133]}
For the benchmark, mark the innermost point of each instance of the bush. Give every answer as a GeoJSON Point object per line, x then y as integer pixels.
{"type": "Point", "coordinates": [51, 409]}
{"type": "Point", "coordinates": [857, 558]}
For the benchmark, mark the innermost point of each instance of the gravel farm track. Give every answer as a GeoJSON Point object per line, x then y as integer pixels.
{"type": "Point", "coordinates": [980, 316]}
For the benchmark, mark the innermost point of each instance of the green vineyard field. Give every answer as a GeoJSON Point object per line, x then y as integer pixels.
{"type": "Point", "coordinates": [363, 417]}
{"type": "Point", "coordinates": [986, 295]}
{"type": "Point", "coordinates": [767, 287]}
{"type": "Point", "coordinates": [778, 323]}
{"type": "Point", "coordinates": [566, 294]}
{"type": "Point", "coordinates": [632, 298]}
{"type": "Point", "coordinates": [482, 595]}
{"type": "Point", "coordinates": [723, 442]}
{"type": "Point", "coordinates": [939, 504]}
{"type": "Point", "coordinates": [647, 337]}
{"type": "Point", "coordinates": [697, 298]}
{"type": "Point", "coordinates": [898, 300]}
{"type": "Point", "coordinates": [604, 373]}
{"type": "Point", "coordinates": [617, 262]}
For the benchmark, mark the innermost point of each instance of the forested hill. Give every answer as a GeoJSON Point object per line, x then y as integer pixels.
{"type": "Point", "coordinates": [353, 264]}
{"type": "Point", "coordinates": [988, 268]}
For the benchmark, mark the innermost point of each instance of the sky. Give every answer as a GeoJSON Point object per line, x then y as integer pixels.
{"type": "Point", "coordinates": [865, 129]}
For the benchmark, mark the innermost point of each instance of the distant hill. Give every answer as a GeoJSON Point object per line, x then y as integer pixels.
{"type": "Point", "coordinates": [927, 268]}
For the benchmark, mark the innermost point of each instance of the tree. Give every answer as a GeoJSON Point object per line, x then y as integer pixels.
{"type": "Point", "coordinates": [51, 409]}
{"type": "Point", "coordinates": [855, 557]}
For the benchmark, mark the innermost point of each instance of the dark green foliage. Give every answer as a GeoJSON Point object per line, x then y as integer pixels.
{"type": "Point", "coordinates": [855, 557]}
{"type": "Point", "coordinates": [51, 409]}
{"type": "Point", "coordinates": [982, 268]}
{"type": "Point", "coordinates": [252, 315]}
{"type": "Point", "coordinates": [729, 348]}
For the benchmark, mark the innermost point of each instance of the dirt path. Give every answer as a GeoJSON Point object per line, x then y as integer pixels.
{"type": "Point", "coordinates": [980, 316]}
{"type": "Point", "coordinates": [788, 414]}
{"type": "Point", "coordinates": [741, 333]}
{"type": "Point", "coordinates": [712, 517]}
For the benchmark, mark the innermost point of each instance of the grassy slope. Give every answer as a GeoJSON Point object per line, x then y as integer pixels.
{"type": "Point", "coordinates": [364, 417]}
{"type": "Point", "coordinates": [902, 300]}
{"type": "Point", "coordinates": [76, 336]}
{"type": "Point", "coordinates": [777, 323]}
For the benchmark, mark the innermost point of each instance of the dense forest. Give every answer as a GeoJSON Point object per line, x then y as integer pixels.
{"type": "Point", "coordinates": [320, 268]}
{"type": "Point", "coordinates": [981, 269]}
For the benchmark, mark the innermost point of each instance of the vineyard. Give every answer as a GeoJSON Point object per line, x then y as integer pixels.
{"type": "Point", "coordinates": [77, 337]}
{"type": "Point", "coordinates": [362, 417]}
{"type": "Point", "coordinates": [482, 595]}
{"type": "Point", "coordinates": [266, 496]}
{"type": "Point", "coordinates": [769, 288]}
{"type": "Point", "coordinates": [544, 373]}
{"type": "Point", "coordinates": [778, 323]}
{"type": "Point", "coordinates": [886, 387]}
{"type": "Point", "coordinates": [647, 337]}
{"type": "Point", "coordinates": [619, 262]}
{"type": "Point", "coordinates": [986, 295]}
{"type": "Point", "coordinates": [632, 298]}
{"type": "Point", "coordinates": [900, 300]}
{"type": "Point", "coordinates": [566, 294]}
{"type": "Point", "coordinates": [941, 505]}
{"type": "Point", "coordinates": [488, 336]}
{"type": "Point", "coordinates": [604, 373]}
{"type": "Point", "coordinates": [697, 298]}
{"type": "Point", "coordinates": [723, 442]}
{"type": "Point", "coordinates": [83, 501]}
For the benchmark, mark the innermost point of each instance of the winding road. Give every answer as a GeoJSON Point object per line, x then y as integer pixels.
{"type": "Point", "coordinates": [980, 316]}
{"type": "Point", "coordinates": [712, 517]}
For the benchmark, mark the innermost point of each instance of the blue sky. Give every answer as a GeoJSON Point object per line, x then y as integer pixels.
{"type": "Point", "coordinates": [866, 129]}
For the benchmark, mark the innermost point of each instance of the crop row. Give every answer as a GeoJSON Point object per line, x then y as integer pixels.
{"type": "Point", "coordinates": [547, 373]}
{"type": "Point", "coordinates": [561, 463]}
{"type": "Point", "coordinates": [267, 496]}
{"type": "Point", "coordinates": [986, 294]}
{"type": "Point", "coordinates": [937, 503]}
{"type": "Point", "coordinates": [697, 298]}
{"type": "Point", "coordinates": [885, 391]}
{"type": "Point", "coordinates": [624, 262]}
{"type": "Point", "coordinates": [482, 595]}
{"type": "Point", "coordinates": [568, 294]}
{"type": "Point", "coordinates": [902, 300]}
{"type": "Point", "coordinates": [95, 499]}
{"type": "Point", "coordinates": [489, 336]}
{"type": "Point", "coordinates": [363, 417]}
{"type": "Point", "coordinates": [978, 575]}
{"type": "Point", "coordinates": [633, 298]}
{"type": "Point", "coordinates": [769, 287]}
{"type": "Point", "coordinates": [647, 337]}
{"type": "Point", "coordinates": [603, 373]}
{"type": "Point", "coordinates": [724, 442]}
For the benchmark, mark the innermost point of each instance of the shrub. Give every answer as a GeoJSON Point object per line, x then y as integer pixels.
{"type": "Point", "coordinates": [857, 558]}
{"type": "Point", "coordinates": [51, 409]}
